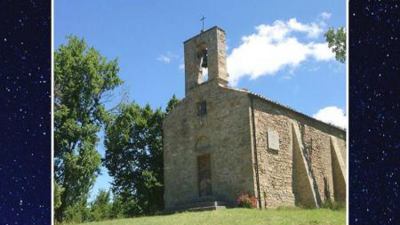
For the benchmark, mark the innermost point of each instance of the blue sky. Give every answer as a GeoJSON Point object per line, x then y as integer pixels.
{"type": "Point", "coordinates": [281, 40]}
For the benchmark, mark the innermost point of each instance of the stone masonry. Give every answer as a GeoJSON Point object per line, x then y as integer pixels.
{"type": "Point", "coordinates": [220, 142]}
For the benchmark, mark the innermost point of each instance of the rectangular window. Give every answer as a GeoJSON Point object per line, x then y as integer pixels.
{"type": "Point", "coordinates": [202, 108]}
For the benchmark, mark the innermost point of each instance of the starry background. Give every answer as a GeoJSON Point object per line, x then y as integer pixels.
{"type": "Point", "coordinates": [25, 144]}
{"type": "Point", "coordinates": [374, 112]}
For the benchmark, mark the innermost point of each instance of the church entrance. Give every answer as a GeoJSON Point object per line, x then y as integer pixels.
{"type": "Point", "coordinates": [204, 175]}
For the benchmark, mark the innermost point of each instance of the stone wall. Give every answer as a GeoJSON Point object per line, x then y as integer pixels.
{"type": "Point", "coordinates": [276, 167]}
{"type": "Point", "coordinates": [224, 133]}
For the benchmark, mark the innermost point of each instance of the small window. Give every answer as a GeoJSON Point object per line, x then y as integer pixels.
{"type": "Point", "coordinates": [202, 108]}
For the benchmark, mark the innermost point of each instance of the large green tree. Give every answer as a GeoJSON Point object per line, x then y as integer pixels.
{"type": "Point", "coordinates": [83, 79]}
{"type": "Point", "coordinates": [336, 39]}
{"type": "Point", "coordinates": [134, 157]}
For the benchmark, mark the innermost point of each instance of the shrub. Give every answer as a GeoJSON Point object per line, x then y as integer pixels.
{"type": "Point", "coordinates": [77, 213]}
{"type": "Point", "coordinates": [247, 201]}
{"type": "Point", "coordinates": [329, 204]}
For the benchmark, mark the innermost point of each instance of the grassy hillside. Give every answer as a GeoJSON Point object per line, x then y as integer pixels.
{"type": "Point", "coordinates": [240, 217]}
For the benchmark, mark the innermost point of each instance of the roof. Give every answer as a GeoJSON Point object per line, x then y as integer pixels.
{"type": "Point", "coordinates": [285, 107]}
{"type": "Point", "coordinates": [212, 28]}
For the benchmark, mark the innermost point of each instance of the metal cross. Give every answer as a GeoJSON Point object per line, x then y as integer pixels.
{"type": "Point", "coordinates": [202, 20]}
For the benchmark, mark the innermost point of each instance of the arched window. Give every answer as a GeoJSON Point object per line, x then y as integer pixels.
{"type": "Point", "coordinates": [202, 143]}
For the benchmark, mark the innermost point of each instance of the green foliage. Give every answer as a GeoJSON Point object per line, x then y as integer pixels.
{"type": "Point", "coordinates": [134, 157]}
{"type": "Point", "coordinates": [76, 213]}
{"type": "Point", "coordinates": [100, 208]}
{"type": "Point", "coordinates": [117, 208]}
{"type": "Point", "coordinates": [83, 80]}
{"type": "Point", "coordinates": [133, 138]}
{"type": "Point", "coordinates": [337, 42]}
{"type": "Point", "coordinates": [58, 190]}
{"type": "Point", "coordinates": [329, 204]}
{"type": "Point", "coordinates": [171, 104]}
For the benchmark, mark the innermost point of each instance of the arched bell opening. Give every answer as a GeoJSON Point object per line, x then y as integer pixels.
{"type": "Point", "coordinates": [202, 54]}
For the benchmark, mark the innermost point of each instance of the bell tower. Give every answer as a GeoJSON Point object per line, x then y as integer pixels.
{"type": "Point", "coordinates": [205, 51]}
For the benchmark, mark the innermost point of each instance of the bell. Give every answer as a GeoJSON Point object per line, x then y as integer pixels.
{"type": "Point", "coordinates": [204, 63]}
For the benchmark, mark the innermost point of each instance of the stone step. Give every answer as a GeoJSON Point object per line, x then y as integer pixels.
{"type": "Point", "coordinates": [206, 208]}
{"type": "Point", "coordinates": [201, 206]}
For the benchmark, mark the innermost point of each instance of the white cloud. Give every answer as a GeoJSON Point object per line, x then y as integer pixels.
{"type": "Point", "coordinates": [321, 51]}
{"type": "Point", "coordinates": [332, 115]}
{"type": "Point", "coordinates": [325, 15]}
{"type": "Point", "coordinates": [313, 30]}
{"type": "Point", "coordinates": [274, 47]}
{"type": "Point", "coordinates": [166, 58]}
{"type": "Point", "coordinates": [181, 66]}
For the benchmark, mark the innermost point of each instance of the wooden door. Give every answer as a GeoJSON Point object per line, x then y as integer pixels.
{"type": "Point", "coordinates": [204, 175]}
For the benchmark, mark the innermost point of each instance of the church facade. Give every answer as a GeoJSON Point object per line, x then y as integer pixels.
{"type": "Point", "coordinates": [220, 142]}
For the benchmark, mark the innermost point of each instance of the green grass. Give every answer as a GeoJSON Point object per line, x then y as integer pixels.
{"type": "Point", "coordinates": [240, 217]}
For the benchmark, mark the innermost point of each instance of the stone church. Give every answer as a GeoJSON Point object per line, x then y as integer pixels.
{"type": "Point", "coordinates": [220, 142]}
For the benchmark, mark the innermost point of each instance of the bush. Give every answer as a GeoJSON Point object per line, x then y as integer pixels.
{"type": "Point", "coordinates": [247, 201]}
{"type": "Point", "coordinates": [77, 213]}
{"type": "Point", "coordinates": [100, 208]}
{"type": "Point", "coordinates": [333, 205]}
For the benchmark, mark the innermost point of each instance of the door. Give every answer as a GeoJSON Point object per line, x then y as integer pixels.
{"type": "Point", "coordinates": [204, 175]}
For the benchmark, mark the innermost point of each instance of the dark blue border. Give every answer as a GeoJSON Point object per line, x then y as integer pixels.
{"type": "Point", "coordinates": [374, 76]}
{"type": "Point", "coordinates": [25, 137]}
